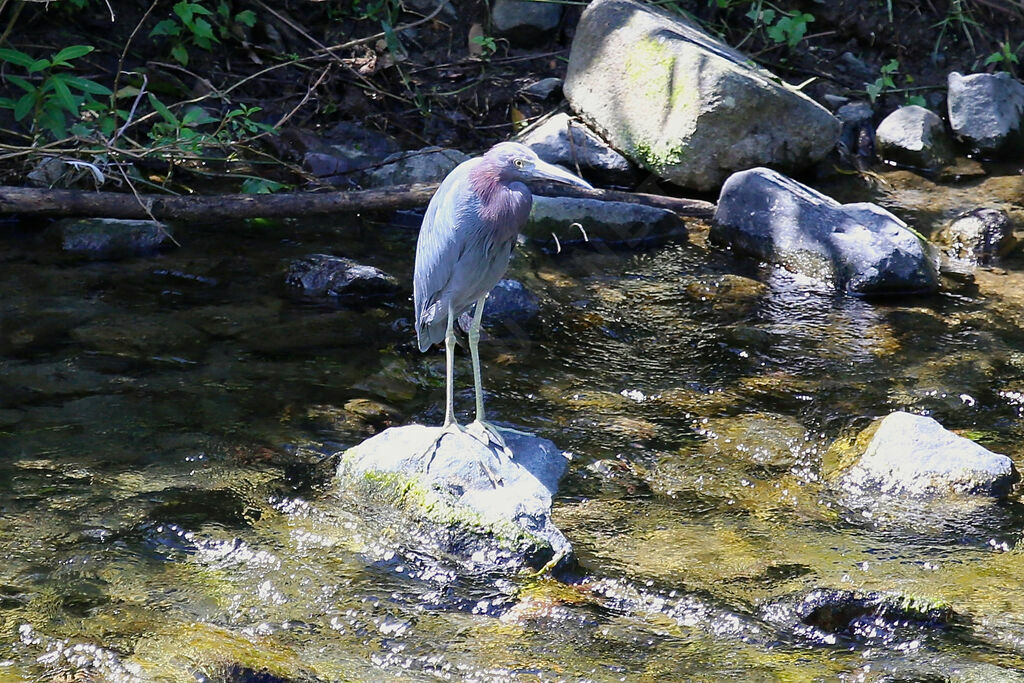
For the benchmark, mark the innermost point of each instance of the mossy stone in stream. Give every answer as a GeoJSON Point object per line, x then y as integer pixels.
{"type": "Point", "coordinates": [462, 501]}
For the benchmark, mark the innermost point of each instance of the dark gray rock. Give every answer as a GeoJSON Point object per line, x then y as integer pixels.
{"type": "Point", "coordinates": [564, 140]}
{"type": "Point", "coordinates": [861, 247]}
{"type": "Point", "coordinates": [359, 146]}
{"type": "Point", "coordinates": [524, 22]}
{"type": "Point", "coordinates": [978, 237]}
{"type": "Point", "coordinates": [427, 165]}
{"type": "Point", "coordinates": [912, 455]}
{"type": "Point", "coordinates": [986, 111]}
{"type": "Point", "coordinates": [464, 499]}
{"type": "Point", "coordinates": [857, 137]}
{"type": "Point", "coordinates": [545, 88]}
{"type": "Point", "coordinates": [557, 222]}
{"type": "Point", "coordinates": [684, 105]}
{"type": "Point", "coordinates": [915, 136]}
{"type": "Point", "coordinates": [110, 238]}
{"type": "Point", "coordinates": [326, 275]}
{"type": "Point", "coordinates": [508, 301]}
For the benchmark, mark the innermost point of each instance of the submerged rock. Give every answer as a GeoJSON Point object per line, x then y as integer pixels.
{"type": "Point", "coordinates": [556, 222]}
{"type": "Point", "coordinates": [986, 111]}
{"type": "Point", "coordinates": [509, 300]}
{"type": "Point", "coordinates": [110, 238]}
{"type": "Point", "coordinates": [464, 499]}
{"type": "Point", "coordinates": [861, 247]}
{"type": "Point", "coordinates": [561, 139]}
{"type": "Point", "coordinates": [427, 165]}
{"type": "Point", "coordinates": [905, 454]}
{"type": "Point", "coordinates": [978, 236]}
{"type": "Point", "coordinates": [684, 105]}
{"type": "Point", "coordinates": [326, 275]}
{"type": "Point", "coordinates": [915, 136]}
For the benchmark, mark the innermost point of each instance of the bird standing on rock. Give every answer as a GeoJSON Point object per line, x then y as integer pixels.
{"type": "Point", "coordinates": [463, 249]}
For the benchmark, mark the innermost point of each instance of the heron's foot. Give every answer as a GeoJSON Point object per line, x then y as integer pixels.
{"type": "Point", "coordinates": [452, 427]}
{"type": "Point", "coordinates": [487, 434]}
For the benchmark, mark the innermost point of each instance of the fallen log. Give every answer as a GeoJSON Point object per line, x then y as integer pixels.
{"type": "Point", "coordinates": [27, 201]}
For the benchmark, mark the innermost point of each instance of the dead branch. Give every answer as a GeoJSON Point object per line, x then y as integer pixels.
{"type": "Point", "coordinates": [43, 202]}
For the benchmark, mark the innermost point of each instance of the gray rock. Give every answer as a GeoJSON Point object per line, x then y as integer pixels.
{"type": "Point", "coordinates": [857, 136]}
{"type": "Point", "coordinates": [913, 455]}
{"type": "Point", "coordinates": [978, 236]}
{"type": "Point", "coordinates": [861, 247]}
{"type": "Point", "coordinates": [508, 301]}
{"type": "Point", "coordinates": [684, 105]}
{"type": "Point", "coordinates": [465, 499]}
{"type": "Point", "coordinates": [326, 275]}
{"type": "Point", "coordinates": [564, 140]}
{"type": "Point", "coordinates": [110, 238]}
{"type": "Point", "coordinates": [914, 136]}
{"type": "Point", "coordinates": [359, 146]}
{"type": "Point", "coordinates": [427, 165]}
{"type": "Point", "coordinates": [986, 111]}
{"type": "Point", "coordinates": [545, 88]}
{"type": "Point", "coordinates": [524, 22]}
{"type": "Point", "coordinates": [557, 222]}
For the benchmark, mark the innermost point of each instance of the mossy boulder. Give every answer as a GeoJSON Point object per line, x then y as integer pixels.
{"type": "Point", "coordinates": [462, 501]}
{"type": "Point", "coordinates": [684, 105]}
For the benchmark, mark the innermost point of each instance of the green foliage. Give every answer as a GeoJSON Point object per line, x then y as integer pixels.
{"type": "Point", "coordinates": [886, 80]}
{"type": "Point", "coordinates": [1005, 57]}
{"type": "Point", "coordinates": [790, 29]}
{"type": "Point", "coordinates": [191, 26]}
{"type": "Point", "coordinates": [48, 103]}
{"type": "Point", "coordinates": [488, 46]}
{"type": "Point", "coordinates": [779, 26]}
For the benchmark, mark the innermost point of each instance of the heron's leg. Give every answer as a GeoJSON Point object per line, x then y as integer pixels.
{"type": "Point", "coordinates": [474, 352]}
{"type": "Point", "coordinates": [449, 367]}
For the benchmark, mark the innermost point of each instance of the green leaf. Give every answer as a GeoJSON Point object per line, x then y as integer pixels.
{"type": "Point", "coordinates": [203, 30]}
{"type": "Point", "coordinates": [247, 17]}
{"type": "Point", "coordinates": [16, 57]}
{"type": "Point", "coordinates": [162, 109]}
{"type": "Point", "coordinates": [6, 103]}
{"type": "Point", "coordinates": [63, 95]}
{"type": "Point", "coordinates": [107, 125]}
{"type": "Point", "coordinates": [180, 53]}
{"type": "Point", "coordinates": [39, 65]}
{"type": "Point", "coordinates": [85, 85]}
{"type": "Point", "coordinates": [72, 52]}
{"type": "Point", "coordinates": [184, 11]}
{"type": "Point", "coordinates": [196, 116]}
{"type": "Point", "coordinates": [24, 105]}
{"type": "Point", "coordinates": [261, 186]}
{"type": "Point", "coordinates": [21, 83]}
{"type": "Point", "coordinates": [993, 58]}
{"type": "Point", "coordinates": [53, 120]}
{"type": "Point", "coordinates": [167, 27]}
{"type": "Point", "coordinates": [127, 91]}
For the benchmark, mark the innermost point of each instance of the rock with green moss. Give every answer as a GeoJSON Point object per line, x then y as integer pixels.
{"type": "Point", "coordinates": [684, 105]}
{"type": "Point", "coordinates": [913, 455]}
{"type": "Point", "coordinates": [463, 500]}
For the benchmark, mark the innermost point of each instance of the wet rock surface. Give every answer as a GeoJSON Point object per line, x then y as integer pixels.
{"type": "Point", "coordinates": [645, 79]}
{"type": "Point", "coordinates": [986, 111]}
{"type": "Point", "coordinates": [915, 136]}
{"type": "Point", "coordinates": [978, 237]}
{"type": "Point", "coordinates": [907, 454]}
{"type": "Point", "coordinates": [509, 302]}
{"type": "Point", "coordinates": [110, 238]}
{"type": "Point", "coordinates": [863, 248]}
{"type": "Point", "coordinates": [319, 275]}
{"type": "Point", "coordinates": [563, 140]}
{"type": "Point", "coordinates": [558, 222]}
{"type": "Point", "coordinates": [480, 504]}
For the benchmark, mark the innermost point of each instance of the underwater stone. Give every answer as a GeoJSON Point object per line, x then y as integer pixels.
{"type": "Point", "coordinates": [986, 111]}
{"type": "Point", "coordinates": [684, 105]}
{"type": "Point", "coordinates": [326, 275]}
{"type": "Point", "coordinates": [906, 454]}
{"type": "Point", "coordinates": [110, 238]}
{"type": "Point", "coordinates": [465, 499]}
{"type": "Point", "coordinates": [862, 247]}
{"type": "Point", "coordinates": [509, 300]}
{"type": "Point", "coordinates": [914, 136]}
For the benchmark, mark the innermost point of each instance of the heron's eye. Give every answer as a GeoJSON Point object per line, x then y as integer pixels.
{"type": "Point", "coordinates": [520, 163]}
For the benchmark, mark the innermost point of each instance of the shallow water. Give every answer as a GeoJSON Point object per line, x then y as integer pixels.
{"type": "Point", "coordinates": [167, 426]}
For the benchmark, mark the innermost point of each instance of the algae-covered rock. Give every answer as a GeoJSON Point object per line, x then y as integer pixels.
{"type": "Point", "coordinates": [684, 105]}
{"type": "Point", "coordinates": [463, 499]}
{"type": "Point", "coordinates": [914, 455]}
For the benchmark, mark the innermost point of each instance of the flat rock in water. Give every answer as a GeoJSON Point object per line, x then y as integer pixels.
{"type": "Point", "coordinates": [326, 275]}
{"type": "Point", "coordinates": [508, 301]}
{"type": "Point", "coordinates": [861, 247]}
{"type": "Point", "coordinates": [110, 238]}
{"type": "Point", "coordinates": [464, 498]}
{"type": "Point", "coordinates": [906, 454]}
{"type": "Point", "coordinates": [563, 140]}
{"type": "Point", "coordinates": [684, 105]}
{"type": "Point", "coordinates": [427, 165]}
{"type": "Point", "coordinates": [915, 136]}
{"type": "Point", "coordinates": [986, 111]}
{"type": "Point", "coordinates": [556, 222]}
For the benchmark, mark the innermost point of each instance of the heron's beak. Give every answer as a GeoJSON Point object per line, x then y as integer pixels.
{"type": "Point", "coordinates": [546, 171]}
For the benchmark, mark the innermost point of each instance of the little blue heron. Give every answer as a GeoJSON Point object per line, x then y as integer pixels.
{"type": "Point", "coordinates": [463, 249]}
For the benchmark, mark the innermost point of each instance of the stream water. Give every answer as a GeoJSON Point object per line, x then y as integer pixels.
{"type": "Point", "coordinates": [167, 426]}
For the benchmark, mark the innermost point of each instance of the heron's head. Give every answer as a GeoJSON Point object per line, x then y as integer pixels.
{"type": "Point", "coordinates": [518, 162]}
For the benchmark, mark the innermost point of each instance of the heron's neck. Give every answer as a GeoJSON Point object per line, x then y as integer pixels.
{"type": "Point", "coordinates": [502, 202]}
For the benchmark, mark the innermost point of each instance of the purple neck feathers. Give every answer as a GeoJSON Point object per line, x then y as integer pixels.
{"type": "Point", "coordinates": [503, 206]}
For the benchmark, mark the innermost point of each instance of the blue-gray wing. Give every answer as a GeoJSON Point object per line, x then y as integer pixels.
{"type": "Point", "coordinates": [442, 242]}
